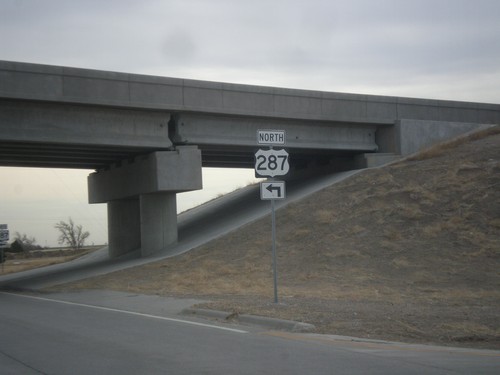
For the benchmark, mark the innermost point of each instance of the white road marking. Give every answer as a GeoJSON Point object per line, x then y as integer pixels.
{"type": "Point", "coordinates": [128, 312]}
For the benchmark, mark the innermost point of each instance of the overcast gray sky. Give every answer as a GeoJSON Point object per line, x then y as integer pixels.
{"type": "Point", "coordinates": [443, 49]}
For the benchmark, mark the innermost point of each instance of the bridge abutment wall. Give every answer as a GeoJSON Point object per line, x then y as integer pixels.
{"type": "Point", "coordinates": [408, 136]}
{"type": "Point", "coordinates": [415, 135]}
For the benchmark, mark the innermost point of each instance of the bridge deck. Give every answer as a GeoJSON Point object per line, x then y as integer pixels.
{"type": "Point", "coordinates": [80, 118]}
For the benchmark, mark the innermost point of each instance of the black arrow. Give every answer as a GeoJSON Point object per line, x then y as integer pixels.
{"type": "Point", "coordinates": [271, 187]}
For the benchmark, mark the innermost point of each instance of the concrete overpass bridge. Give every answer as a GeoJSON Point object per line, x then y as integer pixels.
{"type": "Point", "coordinates": [148, 137]}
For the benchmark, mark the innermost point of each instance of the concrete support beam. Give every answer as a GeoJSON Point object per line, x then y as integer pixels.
{"type": "Point", "coordinates": [164, 171]}
{"type": "Point", "coordinates": [79, 125]}
{"type": "Point", "coordinates": [124, 234]}
{"type": "Point", "coordinates": [141, 197]}
{"type": "Point", "coordinates": [206, 130]}
{"type": "Point", "coordinates": [158, 222]}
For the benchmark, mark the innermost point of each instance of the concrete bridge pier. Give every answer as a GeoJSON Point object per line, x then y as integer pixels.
{"type": "Point", "coordinates": [124, 227]}
{"type": "Point", "coordinates": [141, 198]}
{"type": "Point", "coordinates": [158, 222]}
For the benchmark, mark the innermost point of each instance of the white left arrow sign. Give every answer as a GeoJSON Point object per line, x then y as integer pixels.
{"type": "Point", "coordinates": [272, 190]}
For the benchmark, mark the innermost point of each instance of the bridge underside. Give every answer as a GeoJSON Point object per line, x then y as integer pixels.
{"type": "Point", "coordinates": [45, 134]}
{"type": "Point", "coordinates": [231, 141]}
{"type": "Point", "coordinates": [244, 157]}
{"type": "Point", "coordinates": [54, 155]}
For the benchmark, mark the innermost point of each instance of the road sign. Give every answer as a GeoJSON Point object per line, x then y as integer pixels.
{"type": "Point", "coordinates": [4, 233]}
{"type": "Point", "coordinates": [271, 137]}
{"type": "Point", "coordinates": [272, 190]}
{"type": "Point", "coordinates": [4, 237]}
{"type": "Point", "coordinates": [270, 163]}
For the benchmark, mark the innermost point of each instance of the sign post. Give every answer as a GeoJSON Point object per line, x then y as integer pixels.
{"type": "Point", "coordinates": [271, 163]}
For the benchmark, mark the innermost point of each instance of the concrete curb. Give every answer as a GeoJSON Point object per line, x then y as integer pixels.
{"type": "Point", "coordinates": [271, 323]}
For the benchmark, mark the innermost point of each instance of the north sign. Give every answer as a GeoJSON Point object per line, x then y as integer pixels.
{"type": "Point", "coordinates": [271, 137]}
{"type": "Point", "coordinates": [270, 163]}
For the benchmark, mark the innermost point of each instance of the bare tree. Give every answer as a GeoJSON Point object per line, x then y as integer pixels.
{"type": "Point", "coordinates": [71, 234]}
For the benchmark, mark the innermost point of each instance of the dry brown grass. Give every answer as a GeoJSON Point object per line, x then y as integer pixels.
{"type": "Point", "coordinates": [416, 242]}
{"type": "Point", "coordinates": [37, 259]}
{"type": "Point", "coordinates": [18, 265]}
{"type": "Point", "coordinates": [441, 148]}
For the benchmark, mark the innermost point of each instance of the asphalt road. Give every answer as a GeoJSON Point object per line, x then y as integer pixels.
{"type": "Point", "coordinates": [115, 333]}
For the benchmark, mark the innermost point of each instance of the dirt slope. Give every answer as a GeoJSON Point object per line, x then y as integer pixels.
{"type": "Point", "coordinates": [407, 252]}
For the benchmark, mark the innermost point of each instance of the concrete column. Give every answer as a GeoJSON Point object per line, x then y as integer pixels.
{"type": "Point", "coordinates": [158, 222]}
{"type": "Point", "coordinates": [124, 233]}
{"type": "Point", "coordinates": [142, 198]}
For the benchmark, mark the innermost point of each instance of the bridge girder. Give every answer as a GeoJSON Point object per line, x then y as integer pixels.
{"type": "Point", "coordinates": [92, 118]}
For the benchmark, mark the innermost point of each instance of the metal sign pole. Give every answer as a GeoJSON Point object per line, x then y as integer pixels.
{"type": "Point", "coordinates": [275, 275]}
{"type": "Point", "coordinates": [273, 230]}
{"type": "Point", "coordinates": [271, 163]}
